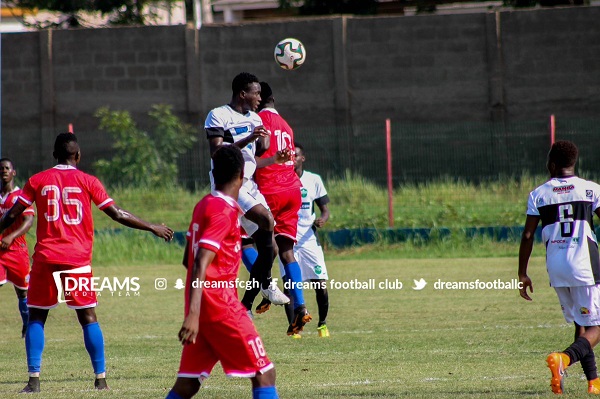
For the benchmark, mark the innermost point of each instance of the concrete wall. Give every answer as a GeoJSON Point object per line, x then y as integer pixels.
{"type": "Point", "coordinates": [497, 68]}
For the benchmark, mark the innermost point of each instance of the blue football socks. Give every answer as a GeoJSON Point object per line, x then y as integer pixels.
{"type": "Point", "coordinates": [34, 346]}
{"type": "Point", "coordinates": [173, 395]}
{"type": "Point", "coordinates": [249, 256]}
{"type": "Point", "coordinates": [94, 343]}
{"type": "Point", "coordinates": [24, 310]}
{"type": "Point", "coordinates": [294, 274]}
{"type": "Point", "coordinates": [264, 393]}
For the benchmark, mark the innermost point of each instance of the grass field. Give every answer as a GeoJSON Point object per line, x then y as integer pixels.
{"type": "Point", "coordinates": [384, 343]}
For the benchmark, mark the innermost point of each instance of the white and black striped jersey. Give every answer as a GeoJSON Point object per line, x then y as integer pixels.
{"type": "Point", "coordinates": [566, 207]}
{"type": "Point", "coordinates": [232, 126]}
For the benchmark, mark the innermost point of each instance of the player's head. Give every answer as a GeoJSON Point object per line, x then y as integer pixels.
{"type": "Point", "coordinates": [563, 155]}
{"type": "Point", "coordinates": [66, 148]}
{"type": "Point", "coordinates": [299, 156]}
{"type": "Point", "coordinates": [228, 166]}
{"type": "Point", "coordinates": [7, 170]}
{"type": "Point", "coordinates": [246, 91]}
{"type": "Point", "coordinates": [266, 95]}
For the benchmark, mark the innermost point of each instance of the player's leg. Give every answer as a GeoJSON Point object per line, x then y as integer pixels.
{"type": "Point", "coordinates": [184, 388]}
{"type": "Point", "coordinates": [23, 309]}
{"type": "Point", "coordinates": [294, 278]}
{"type": "Point", "coordinates": [94, 344]}
{"type": "Point", "coordinates": [34, 347]}
{"type": "Point", "coordinates": [263, 385]}
{"type": "Point", "coordinates": [323, 305]}
{"type": "Point", "coordinates": [588, 363]}
{"type": "Point", "coordinates": [16, 265]}
{"type": "Point", "coordinates": [249, 253]}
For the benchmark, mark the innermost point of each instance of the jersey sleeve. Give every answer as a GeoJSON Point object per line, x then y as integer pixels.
{"type": "Point", "coordinates": [217, 227]}
{"type": "Point", "coordinates": [532, 206]}
{"type": "Point", "coordinates": [99, 194]}
{"type": "Point", "coordinates": [596, 197]}
{"type": "Point", "coordinates": [27, 195]}
{"type": "Point", "coordinates": [29, 211]}
{"type": "Point", "coordinates": [214, 125]}
{"type": "Point", "coordinates": [320, 190]}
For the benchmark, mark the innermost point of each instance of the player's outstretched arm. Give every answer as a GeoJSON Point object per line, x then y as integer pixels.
{"type": "Point", "coordinates": [8, 239]}
{"type": "Point", "coordinates": [280, 157]}
{"type": "Point", "coordinates": [10, 217]}
{"type": "Point", "coordinates": [128, 219]}
{"type": "Point", "coordinates": [525, 252]}
{"type": "Point", "coordinates": [191, 323]}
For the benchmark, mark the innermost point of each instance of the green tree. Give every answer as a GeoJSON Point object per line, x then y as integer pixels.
{"type": "Point", "coordinates": [122, 12]}
{"type": "Point", "coordinates": [143, 159]}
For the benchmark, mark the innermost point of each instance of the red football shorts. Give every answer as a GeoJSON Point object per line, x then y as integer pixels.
{"type": "Point", "coordinates": [51, 284]}
{"type": "Point", "coordinates": [232, 341]}
{"type": "Point", "coordinates": [284, 207]}
{"type": "Point", "coordinates": [14, 267]}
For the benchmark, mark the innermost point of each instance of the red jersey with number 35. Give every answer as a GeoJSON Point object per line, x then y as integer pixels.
{"type": "Point", "coordinates": [215, 226]}
{"type": "Point", "coordinates": [19, 243]}
{"type": "Point", "coordinates": [277, 178]}
{"type": "Point", "coordinates": [65, 228]}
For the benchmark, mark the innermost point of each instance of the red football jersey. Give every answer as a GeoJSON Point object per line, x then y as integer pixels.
{"type": "Point", "coordinates": [19, 243]}
{"type": "Point", "coordinates": [276, 178]}
{"type": "Point", "coordinates": [215, 226]}
{"type": "Point", "coordinates": [65, 228]}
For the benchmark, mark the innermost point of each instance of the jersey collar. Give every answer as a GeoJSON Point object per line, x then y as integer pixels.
{"type": "Point", "coordinates": [64, 167]}
{"type": "Point", "coordinates": [233, 203]}
{"type": "Point", "coordinates": [272, 110]}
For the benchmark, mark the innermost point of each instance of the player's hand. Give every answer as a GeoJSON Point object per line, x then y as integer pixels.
{"type": "Point", "coordinates": [189, 329]}
{"type": "Point", "coordinates": [162, 231]}
{"type": "Point", "coordinates": [525, 282]}
{"type": "Point", "coordinates": [6, 242]}
{"type": "Point", "coordinates": [258, 132]}
{"type": "Point", "coordinates": [319, 222]}
{"type": "Point", "coordinates": [283, 156]}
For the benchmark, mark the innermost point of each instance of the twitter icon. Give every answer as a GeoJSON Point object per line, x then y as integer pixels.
{"type": "Point", "coordinates": [419, 284]}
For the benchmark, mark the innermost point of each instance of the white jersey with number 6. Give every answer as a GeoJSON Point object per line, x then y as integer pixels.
{"type": "Point", "coordinates": [566, 208]}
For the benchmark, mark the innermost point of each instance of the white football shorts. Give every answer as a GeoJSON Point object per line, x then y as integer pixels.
{"type": "Point", "coordinates": [310, 257]}
{"type": "Point", "coordinates": [248, 198]}
{"type": "Point", "coordinates": [580, 304]}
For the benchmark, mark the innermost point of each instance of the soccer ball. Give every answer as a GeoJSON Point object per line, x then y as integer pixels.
{"type": "Point", "coordinates": [290, 53]}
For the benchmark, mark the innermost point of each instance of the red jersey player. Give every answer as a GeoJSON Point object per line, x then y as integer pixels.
{"type": "Point", "coordinates": [65, 232]}
{"type": "Point", "coordinates": [14, 255]}
{"type": "Point", "coordinates": [278, 182]}
{"type": "Point", "coordinates": [216, 326]}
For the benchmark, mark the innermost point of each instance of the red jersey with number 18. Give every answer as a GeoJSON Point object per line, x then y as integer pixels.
{"type": "Point", "coordinates": [65, 228]}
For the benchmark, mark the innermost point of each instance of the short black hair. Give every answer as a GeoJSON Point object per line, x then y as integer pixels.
{"type": "Point", "coordinates": [296, 144]}
{"type": "Point", "coordinates": [62, 150]}
{"type": "Point", "coordinates": [563, 154]}
{"type": "Point", "coordinates": [7, 160]}
{"type": "Point", "coordinates": [228, 164]}
{"type": "Point", "coordinates": [242, 81]}
{"type": "Point", "coordinates": [266, 94]}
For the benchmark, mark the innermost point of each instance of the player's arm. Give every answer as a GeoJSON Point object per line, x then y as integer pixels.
{"type": "Point", "coordinates": [186, 254]}
{"type": "Point", "coordinates": [10, 216]}
{"type": "Point", "coordinates": [322, 205]}
{"type": "Point", "coordinates": [280, 157]}
{"type": "Point", "coordinates": [259, 133]}
{"type": "Point", "coordinates": [527, 239]}
{"type": "Point", "coordinates": [128, 219]}
{"type": "Point", "coordinates": [191, 323]}
{"type": "Point", "coordinates": [8, 239]}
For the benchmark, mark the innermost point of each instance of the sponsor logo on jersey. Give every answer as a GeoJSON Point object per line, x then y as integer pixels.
{"type": "Point", "coordinates": [589, 193]}
{"type": "Point", "coordinates": [240, 130]}
{"type": "Point", "coordinates": [584, 310]}
{"type": "Point", "coordinates": [563, 189]}
{"type": "Point", "coordinates": [558, 242]}
{"type": "Point", "coordinates": [540, 201]}
{"type": "Point", "coordinates": [305, 205]}
{"type": "Point", "coordinates": [304, 192]}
